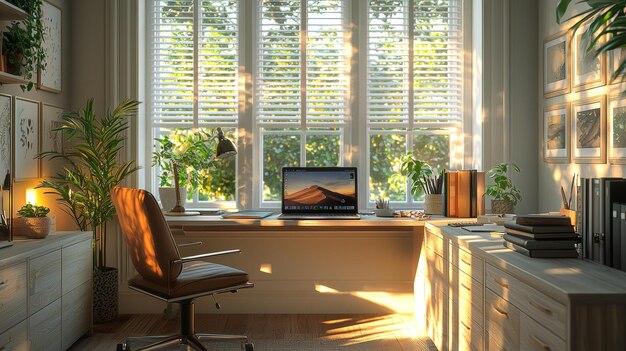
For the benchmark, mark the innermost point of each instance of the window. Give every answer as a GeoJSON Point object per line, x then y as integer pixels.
{"type": "Point", "coordinates": [302, 86]}
{"type": "Point", "coordinates": [414, 89]}
{"type": "Point", "coordinates": [194, 77]}
{"type": "Point", "coordinates": [298, 58]}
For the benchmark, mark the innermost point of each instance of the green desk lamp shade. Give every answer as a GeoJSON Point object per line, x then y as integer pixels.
{"type": "Point", "coordinates": [225, 147]}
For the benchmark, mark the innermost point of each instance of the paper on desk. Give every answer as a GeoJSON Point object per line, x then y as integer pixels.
{"type": "Point", "coordinates": [485, 228]}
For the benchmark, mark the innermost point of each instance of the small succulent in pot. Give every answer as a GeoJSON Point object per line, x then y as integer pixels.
{"type": "Point", "coordinates": [34, 221]}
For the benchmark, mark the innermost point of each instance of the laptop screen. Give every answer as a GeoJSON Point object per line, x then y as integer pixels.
{"type": "Point", "coordinates": [319, 190]}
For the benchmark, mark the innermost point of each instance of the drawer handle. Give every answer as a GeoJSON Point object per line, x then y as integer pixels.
{"type": "Point", "coordinates": [504, 313]}
{"type": "Point", "coordinates": [462, 323]}
{"type": "Point", "coordinates": [467, 263]}
{"type": "Point", "coordinates": [540, 307]}
{"type": "Point", "coordinates": [501, 282]}
{"type": "Point", "coordinates": [540, 343]}
{"type": "Point", "coordinates": [466, 287]}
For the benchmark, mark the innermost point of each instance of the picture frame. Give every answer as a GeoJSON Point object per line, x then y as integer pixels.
{"type": "Point", "coordinates": [617, 129]}
{"type": "Point", "coordinates": [556, 64]}
{"type": "Point", "coordinates": [589, 71]}
{"type": "Point", "coordinates": [6, 167]}
{"type": "Point", "coordinates": [556, 133]}
{"type": "Point", "coordinates": [49, 79]}
{"type": "Point", "coordinates": [50, 140]}
{"type": "Point", "coordinates": [589, 130]}
{"type": "Point", "coordinates": [26, 136]}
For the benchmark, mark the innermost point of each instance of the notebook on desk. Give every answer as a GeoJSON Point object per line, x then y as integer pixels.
{"type": "Point", "coordinates": [319, 193]}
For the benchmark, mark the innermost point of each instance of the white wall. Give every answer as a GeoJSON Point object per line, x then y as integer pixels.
{"type": "Point", "coordinates": [553, 176]}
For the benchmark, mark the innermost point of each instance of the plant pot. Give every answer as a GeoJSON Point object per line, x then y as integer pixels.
{"type": "Point", "coordinates": [433, 204]}
{"type": "Point", "coordinates": [384, 212]}
{"type": "Point", "coordinates": [502, 207]}
{"type": "Point", "coordinates": [168, 197]}
{"type": "Point", "coordinates": [15, 64]}
{"type": "Point", "coordinates": [105, 295]}
{"type": "Point", "coordinates": [33, 227]}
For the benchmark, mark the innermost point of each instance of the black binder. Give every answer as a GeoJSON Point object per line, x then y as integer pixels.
{"type": "Point", "coordinates": [614, 191]}
{"type": "Point", "coordinates": [622, 221]}
{"type": "Point", "coordinates": [616, 236]}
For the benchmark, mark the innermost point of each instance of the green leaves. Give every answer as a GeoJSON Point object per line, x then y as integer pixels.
{"type": "Point", "coordinates": [502, 187]}
{"type": "Point", "coordinates": [92, 166]}
{"type": "Point", "coordinates": [419, 174]}
{"type": "Point", "coordinates": [33, 211]}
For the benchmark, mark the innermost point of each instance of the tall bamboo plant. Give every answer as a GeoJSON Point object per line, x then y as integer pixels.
{"type": "Point", "coordinates": [92, 168]}
{"type": "Point", "coordinates": [607, 26]}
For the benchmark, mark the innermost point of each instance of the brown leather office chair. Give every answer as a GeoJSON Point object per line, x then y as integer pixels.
{"type": "Point", "coordinates": [164, 275]}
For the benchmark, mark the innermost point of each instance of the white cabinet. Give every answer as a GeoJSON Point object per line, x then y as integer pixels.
{"type": "Point", "coordinates": [480, 295]}
{"type": "Point", "coordinates": [45, 292]}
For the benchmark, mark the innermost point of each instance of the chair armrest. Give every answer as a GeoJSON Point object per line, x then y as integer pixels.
{"type": "Point", "coordinates": [205, 255]}
{"type": "Point", "coordinates": [190, 244]}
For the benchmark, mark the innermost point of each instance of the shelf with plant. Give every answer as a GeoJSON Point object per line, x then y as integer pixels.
{"type": "Point", "coordinates": [8, 11]}
{"type": "Point", "coordinates": [22, 45]}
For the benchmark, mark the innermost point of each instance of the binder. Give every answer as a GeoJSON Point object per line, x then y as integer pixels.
{"type": "Point", "coordinates": [464, 195]}
{"type": "Point", "coordinates": [480, 193]}
{"type": "Point", "coordinates": [622, 220]}
{"type": "Point", "coordinates": [445, 194]}
{"type": "Point", "coordinates": [616, 234]}
{"type": "Point", "coordinates": [452, 194]}
{"type": "Point", "coordinates": [473, 193]}
{"type": "Point", "coordinates": [598, 212]}
{"type": "Point", "coordinates": [614, 191]}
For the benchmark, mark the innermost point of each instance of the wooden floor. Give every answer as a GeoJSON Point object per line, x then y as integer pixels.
{"type": "Point", "coordinates": [276, 332]}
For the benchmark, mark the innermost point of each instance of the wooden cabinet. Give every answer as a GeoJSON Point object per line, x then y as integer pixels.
{"type": "Point", "coordinates": [45, 292]}
{"type": "Point", "coordinates": [512, 302]}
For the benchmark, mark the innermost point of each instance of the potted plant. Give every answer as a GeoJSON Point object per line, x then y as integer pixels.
{"type": "Point", "coordinates": [186, 158]}
{"type": "Point", "coordinates": [424, 180]}
{"type": "Point", "coordinates": [92, 170]}
{"type": "Point", "coordinates": [22, 42]}
{"type": "Point", "coordinates": [33, 221]}
{"type": "Point", "coordinates": [505, 195]}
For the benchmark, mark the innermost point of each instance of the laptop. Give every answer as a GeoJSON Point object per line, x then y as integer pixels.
{"type": "Point", "coordinates": [319, 193]}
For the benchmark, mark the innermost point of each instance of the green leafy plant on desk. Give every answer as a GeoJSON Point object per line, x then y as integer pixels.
{"type": "Point", "coordinates": [505, 195]}
{"type": "Point", "coordinates": [33, 221]}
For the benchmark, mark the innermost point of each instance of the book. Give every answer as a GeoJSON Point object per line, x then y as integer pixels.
{"type": "Point", "coordinates": [464, 195]}
{"type": "Point", "coordinates": [542, 236]}
{"type": "Point", "coordinates": [614, 191]}
{"type": "Point", "coordinates": [540, 220]}
{"type": "Point", "coordinates": [444, 204]}
{"type": "Point", "coordinates": [473, 193]}
{"type": "Point", "coordinates": [532, 244]}
{"type": "Point", "coordinates": [539, 228]}
{"type": "Point", "coordinates": [248, 215]}
{"type": "Point", "coordinates": [452, 193]}
{"type": "Point", "coordinates": [542, 253]}
{"type": "Point", "coordinates": [616, 237]}
{"type": "Point", "coordinates": [622, 218]}
{"type": "Point", "coordinates": [480, 193]}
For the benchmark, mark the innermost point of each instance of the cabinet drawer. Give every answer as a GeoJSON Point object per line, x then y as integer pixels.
{"type": "Point", "coordinates": [468, 263]}
{"type": "Point", "coordinates": [436, 316]}
{"type": "Point", "coordinates": [76, 314]}
{"type": "Point", "coordinates": [534, 337]}
{"type": "Point", "coordinates": [45, 328]}
{"type": "Point", "coordinates": [502, 321]}
{"type": "Point", "coordinates": [77, 265]}
{"type": "Point", "coordinates": [470, 298]}
{"type": "Point", "coordinates": [44, 280]}
{"type": "Point", "coordinates": [470, 336]}
{"type": "Point", "coordinates": [15, 339]}
{"type": "Point", "coordinates": [13, 295]}
{"type": "Point", "coordinates": [437, 267]}
{"type": "Point", "coordinates": [545, 310]}
{"type": "Point", "coordinates": [436, 244]}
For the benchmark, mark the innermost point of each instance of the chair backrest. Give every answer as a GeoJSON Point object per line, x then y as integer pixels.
{"type": "Point", "coordinates": [150, 243]}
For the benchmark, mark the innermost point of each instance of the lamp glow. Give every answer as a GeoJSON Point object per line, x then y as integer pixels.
{"type": "Point", "coordinates": [31, 196]}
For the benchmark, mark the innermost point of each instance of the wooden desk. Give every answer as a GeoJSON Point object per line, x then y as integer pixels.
{"type": "Point", "coordinates": [326, 266]}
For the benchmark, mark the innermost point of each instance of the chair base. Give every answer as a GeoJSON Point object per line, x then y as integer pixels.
{"type": "Point", "coordinates": [187, 335]}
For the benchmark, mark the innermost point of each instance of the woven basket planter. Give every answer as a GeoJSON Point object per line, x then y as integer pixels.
{"type": "Point", "coordinates": [33, 227]}
{"type": "Point", "coordinates": [502, 207]}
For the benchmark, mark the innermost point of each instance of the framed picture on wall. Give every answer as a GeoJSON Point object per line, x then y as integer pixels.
{"type": "Point", "coordinates": [26, 136]}
{"type": "Point", "coordinates": [556, 65]}
{"type": "Point", "coordinates": [49, 79]}
{"type": "Point", "coordinates": [589, 130]}
{"type": "Point", "coordinates": [589, 71]}
{"type": "Point", "coordinates": [51, 139]}
{"type": "Point", "coordinates": [617, 129]}
{"type": "Point", "coordinates": [556, 134]}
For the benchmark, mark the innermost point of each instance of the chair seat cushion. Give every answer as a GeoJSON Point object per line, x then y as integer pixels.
{"type": "Point", "coordinates": [196, 277]}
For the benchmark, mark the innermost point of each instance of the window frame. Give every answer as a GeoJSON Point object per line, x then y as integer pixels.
{"type": "Point", "coordinates": [355, 143]}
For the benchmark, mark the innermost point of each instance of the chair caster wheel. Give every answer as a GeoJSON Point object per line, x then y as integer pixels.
{"type": "Point", "coordinates": [122, 347]}
{"type": "Point", "coordinates": [248, 346]}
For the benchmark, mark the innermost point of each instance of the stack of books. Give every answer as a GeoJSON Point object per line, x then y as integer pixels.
{"type": "Point", "coordinates": [541, 236]}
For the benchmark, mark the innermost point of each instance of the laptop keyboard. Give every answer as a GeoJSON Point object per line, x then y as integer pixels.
{"type": "Point", "coordinates": [320, 216]}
